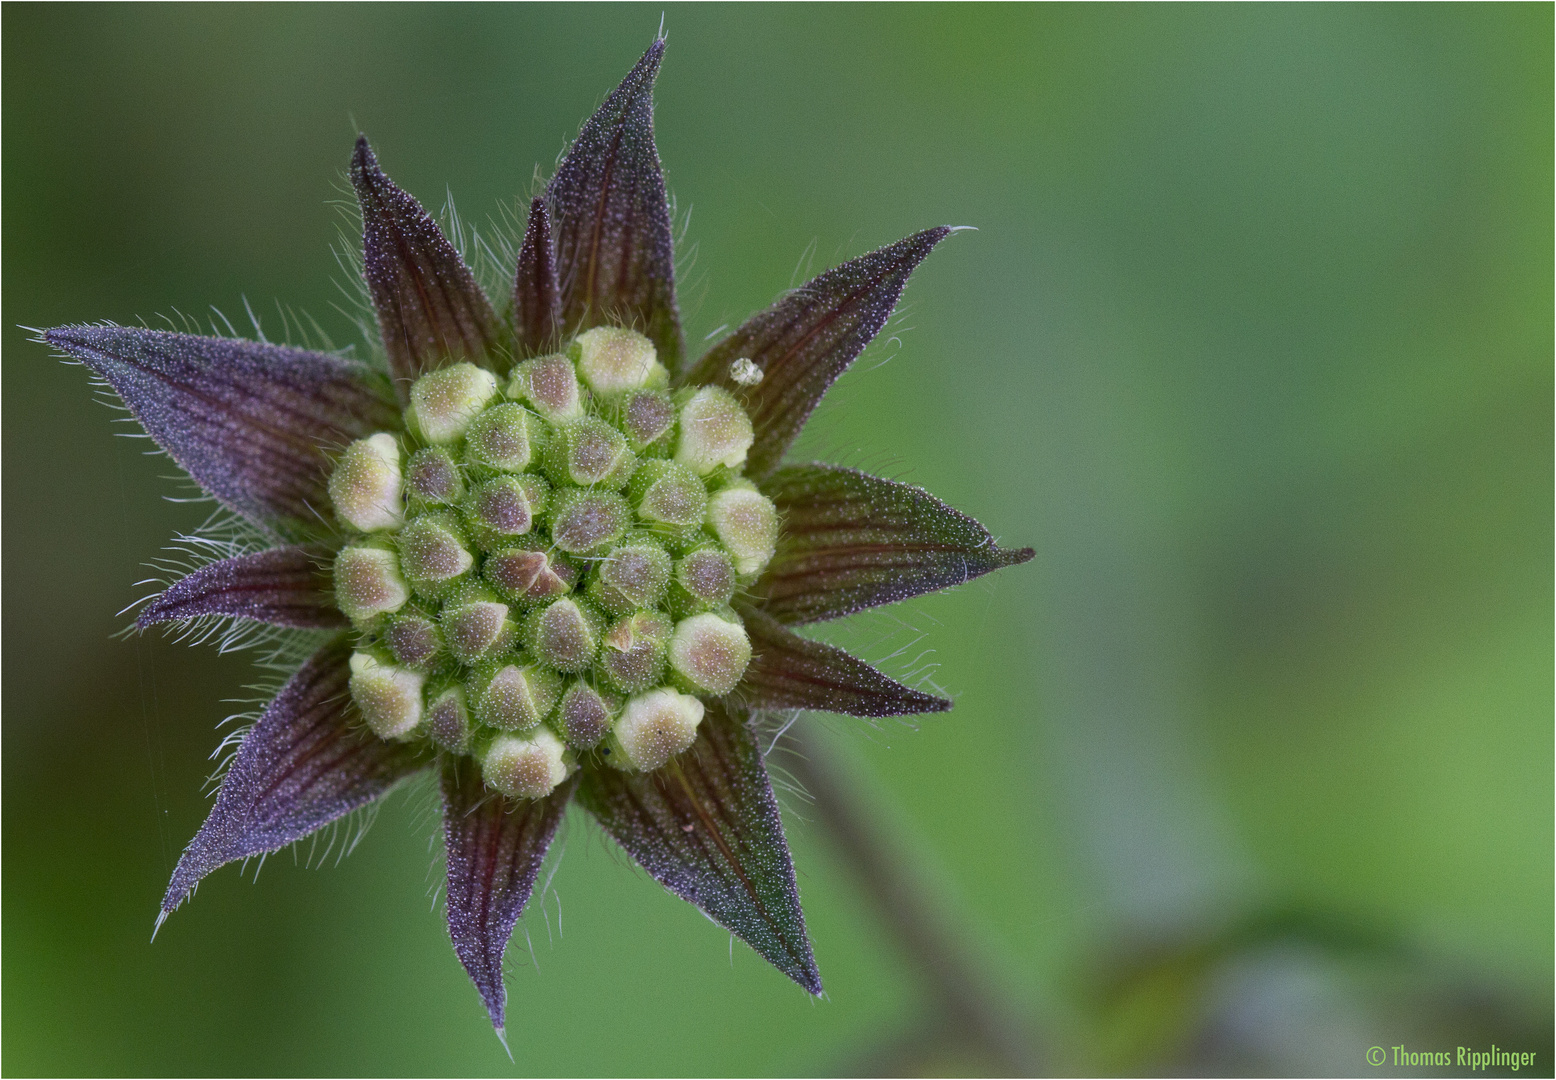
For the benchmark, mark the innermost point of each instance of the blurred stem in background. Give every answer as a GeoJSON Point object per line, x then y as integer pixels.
{"type": "Point", "coordinates": [962, 1014]}
{"type": "Point", "coordinates": [1265, 982]}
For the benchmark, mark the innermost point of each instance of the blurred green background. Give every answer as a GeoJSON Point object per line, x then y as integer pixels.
{"type": "Point", "coordinates": [1251, 768]}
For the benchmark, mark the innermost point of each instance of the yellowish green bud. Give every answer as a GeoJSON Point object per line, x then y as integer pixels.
{"type": "Point", "coordinates": [433, 477]}
{"type": "Point", "coordinates": [433, 554]}
{"type": "Point", "coordinates": [584, 716]}
{"type": "Point", "coordinates": [368, 582]}
{"type": "Point", "coordinates": [654, 727]}
{"type": "Point", "coordinates": [414, 639]}
{"type": "Point", "coordinates": [669, 493]}
{"type": "Point", "coordinates": [549, 385]}
{"type": "Point", "coordinates": [585, 521]}
{"type": "Point", "coordinates": [504, 507]}
{"type": "Point", "coordinates": [590, 453]}
{"type": "Point", "coordinates": [528, 576]}
{"type": "Point", "coordinates": [365, 486]}
{"type": "Point", "coordinates": [612, 360]}
{"type": "Point", "coordinates": [388, 697]}
{"type": "Point", "coordinates": [705, 578]}
{"type": "Point", "coordinates": [709, 653]}
{"type": "Point", "coordinates": [525, 766]}
{"type": "Point", "coordinates": [633, 659]}
{"type": "Point", "coordinates": [444, 402]}
{"type": "Point", "coordinates": [512, 696]}
{"type": "Point", "coordinates": [505, 437]}
{"type": "Point", "coordinates": [646, 417]}
{"type": "Point", "coordinates": [746, 522]}
{"type": "Point", "coordinates": [448, 720]}
{"type": "Point", "coordinates": [475, 628]}
{"type": "Point", "coordinates": [634, 575]}
{"type": "Point", "coordinates": [564, 635]}
{"type": "Point", "coordinates": [714, 431]}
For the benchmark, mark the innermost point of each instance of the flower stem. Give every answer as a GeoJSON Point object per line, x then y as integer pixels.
{"type": "Point", "coordinates": [968, 1013]}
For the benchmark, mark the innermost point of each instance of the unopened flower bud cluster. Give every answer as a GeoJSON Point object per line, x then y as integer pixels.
{"type": "Point", "coordinates": [547, 560]}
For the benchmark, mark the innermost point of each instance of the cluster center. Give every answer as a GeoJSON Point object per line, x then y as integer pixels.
{"type": "Point", "coordinates": [542, 565]}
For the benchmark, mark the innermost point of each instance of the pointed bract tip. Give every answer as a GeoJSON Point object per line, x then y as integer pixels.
{"type": "Point", "coordinates": [161, 918]}
{"type": "Point", "coordinates": [364, 164]}
{"type": "Point", "coordinates": [502, 1037]}
{"type": "Point", "coordinates": [62, 337]}
{"type": "Point", "coordinates": [1017, 556]}
{"type": "Point", "coordinates": [646, 70]}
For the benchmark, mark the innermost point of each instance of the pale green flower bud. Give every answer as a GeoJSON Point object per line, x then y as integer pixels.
{"type": "Point", "coordinates": [633, 659]}
{"type": "Point", "coordinates": [525, 766]}
{"type": "Point", "coordinates": [714, 431]}
{"type": "Point", "coordinates": [654, 727]}
{"type": "Point", "coordinates": [414, 639]}
{"type": "Point", "coordinates": [368, 582]}
{"type": "Point", "coordinates": [549, 384]}
{"type": "Point", "coordinates": [511, 696]}
{"type": "Point", "coordinates": [709, 653]}
{"type": "Point", "coordinates": [564, 635]}
{"type": "Point", "coordinates": [585, 521]}
{"type": "Point", "coordinates": [669, 493]}
{"type": "Point", "coordinates": [448, 720]}
{"type": "Point", "coordinates": [584, 716]}
{"type": "Point", "coordinates": [634, 575]}
{"type": "Point", "coordinates": [611, 360]}
{"type": "Point", "coordinates": [504, 507]}
{"type": "Point", "coordinates": [365, 486]}
{"type": "Point", "coordinates": [527, 577]}
{"type": "Point", "coordinates": [433, 554]}
{"type": "Point", "coordinates": [443, 402]}
{"type": "Point", "coordinates": [475, 627]}
{"type": "Point", "coordinates": [388, 697]}
{"type": "Point", "coordinates": [433, 477]}
{"type": "Point", "coordinates": [646, 417]}
{"type": "Point", "coordinates": [746, 522]}
{"type": "Point", "coordinates": [590, 453]}
{"type": "Point", "coordinates": [704, 579]}
{"type": "Point", "coordinates": [505, 437]}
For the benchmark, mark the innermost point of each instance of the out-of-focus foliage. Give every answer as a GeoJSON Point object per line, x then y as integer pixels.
{"type": "Point", "coordinates": [1250, 768]}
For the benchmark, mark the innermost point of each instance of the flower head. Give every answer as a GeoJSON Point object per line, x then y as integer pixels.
{"type": "Point", "coordinates": [551, 556]}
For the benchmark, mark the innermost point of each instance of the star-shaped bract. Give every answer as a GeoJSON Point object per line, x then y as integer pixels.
{"type": "Point", "coordinates": [258, 425]}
